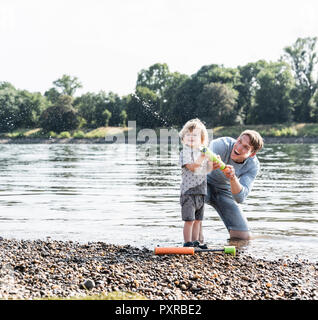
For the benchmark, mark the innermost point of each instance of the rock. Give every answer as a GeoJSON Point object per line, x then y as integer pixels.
{"type": "Point", "coordinates": [88, 284]}
{"type": "Point", "coordinates": [31, 269]}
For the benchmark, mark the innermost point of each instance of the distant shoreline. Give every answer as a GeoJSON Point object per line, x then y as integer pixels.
{"type": "Point", "coordinates": [267, 140]}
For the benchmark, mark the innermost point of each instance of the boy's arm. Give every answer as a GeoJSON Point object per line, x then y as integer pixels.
{"type": "Point", "coordinates": [195, 165]}
{"type": "Point", "coordinates": [210, 166]}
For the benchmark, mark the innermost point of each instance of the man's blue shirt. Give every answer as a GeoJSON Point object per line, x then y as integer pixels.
{"type": "Point", "coordinates": [246, 171]}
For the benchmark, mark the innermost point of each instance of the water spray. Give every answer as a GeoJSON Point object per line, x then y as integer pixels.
{"type": "Point", "coordinates": [150, 109]}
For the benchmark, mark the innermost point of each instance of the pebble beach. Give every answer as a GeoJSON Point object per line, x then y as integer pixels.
{"type": "Point", "coordinates": [43, 269]}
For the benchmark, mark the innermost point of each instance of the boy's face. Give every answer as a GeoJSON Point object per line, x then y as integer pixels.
{"type": "Point", "coordinates": [242, 149]}
{"type": "Point", "coordinates": [193, 138]}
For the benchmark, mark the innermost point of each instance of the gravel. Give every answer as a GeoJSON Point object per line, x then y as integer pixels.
{"type": "Point", "coordinates": [32, 269]}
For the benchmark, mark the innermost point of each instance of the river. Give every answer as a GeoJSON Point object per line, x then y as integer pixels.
{"type": "Point", "coordinates": [128, 194]}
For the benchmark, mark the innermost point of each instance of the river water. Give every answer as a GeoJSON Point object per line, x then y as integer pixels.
{"type": "Point", "coordinates": [128, 194]}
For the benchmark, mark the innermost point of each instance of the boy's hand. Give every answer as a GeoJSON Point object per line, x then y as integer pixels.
{"type": "Point", "coordinates": [194, 166]}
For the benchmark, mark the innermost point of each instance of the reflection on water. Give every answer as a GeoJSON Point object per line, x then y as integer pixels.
{"type": "Point", "coordinates": [125, 194]}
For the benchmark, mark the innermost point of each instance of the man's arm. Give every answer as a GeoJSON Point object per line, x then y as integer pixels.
{"type": "Point", "coordinates": [240, 188]}
{"type": "Point", "coordinates": [236, 187]}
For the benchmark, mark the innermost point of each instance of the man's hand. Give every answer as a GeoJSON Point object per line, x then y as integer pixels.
{"type": "Point", "coordinates": [216, 165]}
{"type": "Point", "coordinates": [236, 187]}
{"type": "Point", "coordinates": [229, 172]}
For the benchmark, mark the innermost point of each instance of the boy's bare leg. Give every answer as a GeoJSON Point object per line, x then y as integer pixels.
{"type": "Point", "coordinates": [196, 230]}
{"type": "Point", "coordinates": [201, 237]}
{"type": "Point", "coordinates": [187, 231]}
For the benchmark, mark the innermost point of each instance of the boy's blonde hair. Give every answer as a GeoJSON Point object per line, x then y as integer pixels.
{"type": "Point", "coordinates": [192, 125]}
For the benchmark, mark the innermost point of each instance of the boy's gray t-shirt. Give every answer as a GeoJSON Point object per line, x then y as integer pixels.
{"type": "Point", "coordinates": [192, 182]}
{"type": "Point", "coordinates": [246, 171]}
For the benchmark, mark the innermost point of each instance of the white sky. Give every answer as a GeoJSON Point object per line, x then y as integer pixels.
{"type": "Point", "coordinates": [105, 43]}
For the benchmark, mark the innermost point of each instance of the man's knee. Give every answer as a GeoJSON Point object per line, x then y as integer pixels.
{"type": "Point", "coordinates": [241, 235]}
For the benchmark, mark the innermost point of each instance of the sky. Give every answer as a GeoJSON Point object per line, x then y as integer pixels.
{"type": "Point", "coordinates": [106, 43]}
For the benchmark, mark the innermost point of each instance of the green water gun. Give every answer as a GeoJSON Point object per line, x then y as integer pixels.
{"type": "Point", "coordinates": [212, 157]}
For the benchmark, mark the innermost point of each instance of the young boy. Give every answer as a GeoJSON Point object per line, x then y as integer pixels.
{"type": "Point", "coordinates": [193, 187]}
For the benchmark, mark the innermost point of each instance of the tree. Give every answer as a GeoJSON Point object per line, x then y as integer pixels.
{"type": "Point", "coordinates": [113, 103]}
{"type": "Point", "coordinates": [157, 78]}
{"type": "Point", "coordinates": [303, 59]}
{"type": "Point", "coordinates": [217, 103]}
{"type": "Point", "coordinates": [91, 107]}
{"type": "Point", "coordinates": [107, 115]}
{"type": "Point", "coordinates": [19, 108]}
{"type": "Point", "coordinates": [123, 118]}
{"type": "Point", "coordinates": [247, 87]}
{"type": "Point", "coordinates": [217, 74]}
{"type": "Point", "coordinates": [52, 95]}
{"type": "Point", "coordinates": [31, 105]}
{"type": "Point", "coordinates": [273, 101]}
{"type": "Point", "coordinates": [9, 107]}
{"type": "Point", "coordinates": [183, 105]}
{"type": "Point", "coordinates": [164, 84]}
{"type": "Point", "coordinates": [314, 104]}
{"type": "Point", "coordinates": [85, 105]}
{"type": "Point", "coordinates": [143, 107]}
{"type": "Point", "coordinates": [67, 84]}
{"type": "Point", "coordinates": [60, 117]}
{"type": "Point", "coordinates": [170, 98]}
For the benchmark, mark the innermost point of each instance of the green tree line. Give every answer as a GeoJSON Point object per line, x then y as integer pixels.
{"type": "Point", "coordinates": [261, 92]}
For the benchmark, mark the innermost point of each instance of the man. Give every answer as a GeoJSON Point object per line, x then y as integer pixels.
{"type": "Point", "coordinates": [226, 189]}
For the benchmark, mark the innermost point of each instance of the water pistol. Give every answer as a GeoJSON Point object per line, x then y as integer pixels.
{"type": "Point", "coordinates": [212, 157]}
{"type": "Point", "coordinates": [191, 250]}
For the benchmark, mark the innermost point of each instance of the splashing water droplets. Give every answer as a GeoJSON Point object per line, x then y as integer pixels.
{"type": "Point", "coordinates": [154, 113]}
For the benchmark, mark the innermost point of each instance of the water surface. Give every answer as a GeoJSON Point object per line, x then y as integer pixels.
{"type": "Point", "coordinates": [126, 194]}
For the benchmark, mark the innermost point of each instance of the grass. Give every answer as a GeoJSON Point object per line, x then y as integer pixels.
{"type": "Point", "coordinates": [271, 130]}
{"type": "Point", "coordinates": [100, 132]}
{"type": "Point", "coordinates": [268, 130]}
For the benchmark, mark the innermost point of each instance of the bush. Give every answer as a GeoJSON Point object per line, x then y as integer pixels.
{"type": "Point", "coordinates": [64, 135]}
{"type": "Point", "coordinates": [52, 134]}
{"type": "Point", "coordinates": [79, 134]}
{"type": "Point", "coordinates": [17, 134]}
{"type": "Point", "coordinates": [60, 117]}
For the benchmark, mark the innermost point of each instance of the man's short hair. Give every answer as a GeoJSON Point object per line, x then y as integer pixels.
{"type": "Point", "coordinates": [256, 140]}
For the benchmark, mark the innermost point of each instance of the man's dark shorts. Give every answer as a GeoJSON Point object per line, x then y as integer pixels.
{"type": "Point", "coordinates": [192, 206]}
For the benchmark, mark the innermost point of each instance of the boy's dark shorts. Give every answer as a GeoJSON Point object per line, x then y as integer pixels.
{"type": "Point", "coordinates": [192, 206]}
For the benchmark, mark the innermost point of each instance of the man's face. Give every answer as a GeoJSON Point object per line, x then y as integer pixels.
{"type": "Point", "coordinates": [242, 149]}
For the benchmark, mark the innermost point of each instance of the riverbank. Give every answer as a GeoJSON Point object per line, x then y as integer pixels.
{"type": "Point", "coordinates": [267, 140]}
{"type": "Point", "coordinates": [272, 133]}
{"type": "Point", "coordinates": [33, 269]}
